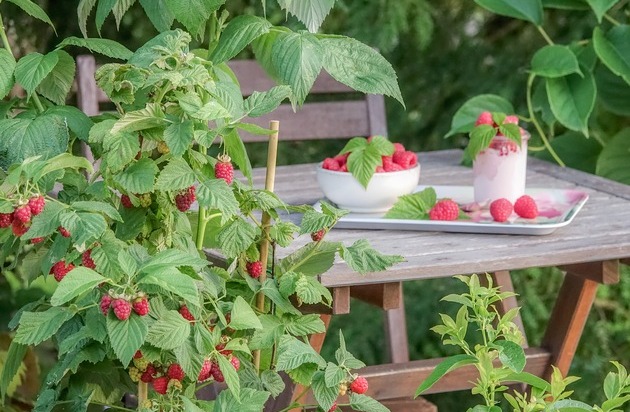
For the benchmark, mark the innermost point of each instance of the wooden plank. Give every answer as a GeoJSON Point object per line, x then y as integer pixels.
{"type": "Point", "coordinates": [625, 261]}
{"type": "Point", "coordinates": [606, 272]}
{"type": "Point", "coordinates": [383, 295]}
{"type": "Point", "coordinates": [410, 405]}
{"type": "Point", "coordinates": [377, 115]}
{"type": "Point", "coordinates": [567, 320]}
{"type": "Point", "coordinates": [396, 337]}
{"type": "Point", "coordinates": [86, 85]}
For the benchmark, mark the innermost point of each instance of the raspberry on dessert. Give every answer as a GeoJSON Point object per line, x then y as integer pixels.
{"type": "Point", "coordinates": [235, 362]}
{"type": "Point", "coordinates": [175, 371]}
{"type": "Point", "coordinates": [36, 204]}
{"type": "Point", "coordinates": [160, 385]}
{"type": "Point", "coordinates": [141, 306]}
{"type": "Point", "coordinates": [126, 201]}
{"type": "Point", "coordinates": [398, 147]}
{"type": "Point", "coordinates": [186, 313]}
{"type": "Point", "coordinates": [254, 269]}
{"type": "Point", "coordinates": [224, 169]}
{"type": "Point", "coordinates": [525, 206]}
{"type": "Point", "coordinates": [319, 235]}
{"type": "Point", "coordinates": [6, 219]}
{"type": "Point", "coordinates": [18, 227]}
{"type": "Point", "coordinates": [106, 302]}
{"type": "Point", "coordinates": [59, 270]}
{"type": "Point", "coordinates": [23, 214]}
{"type": "Point", "coordinates": [484, 118]}
{"type": "Point", "coordinates": [359, 385]}
{"type": "Point", "coordinates": [122, 308]}
{"type": "Point", "coordinates": [501, 209]}
{"type": "Point", "coordinates": [330, 164]}
{"type": "Point", "coordinates": [206, 371]}
{"type": "Point", "coordinates": [37, 240]}
{"type": "Point", "coordinates": [185, 199]}
{"type": "Point", "coordinates": [86, 259]}
{"type": "Point", "coordinates": [444, 209]}
{"type": "Point", "coordinates": [406, 159]}
{"type": "Point", "coordinates": [64, 232]}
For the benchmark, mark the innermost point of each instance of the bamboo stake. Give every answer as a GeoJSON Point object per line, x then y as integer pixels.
{"type": "Point", "coordinates": [272, 155]}
{"type": "Point", "coordinates": [143, 393]}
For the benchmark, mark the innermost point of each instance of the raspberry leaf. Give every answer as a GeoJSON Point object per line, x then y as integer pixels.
{"type": "Point", "coordinates": [413, 206]}
{"type": "Point", "coordinates": [365, 403]}
{"type": "Point", "coordinates": [78, 281]}
{"type": "Point", "coordinates": [173, 281]}
{"type": "Point", "coordinates": [236, 150]}
{"type": "Point", "coordinates": [46, 223]}
{"type": "Point", "coordinates": [282, 233]}
{"type": "Point", "coordinates": [363, 258]}
{"type": "Point", "coordinates": [312, 221]}
{"type": "Point", "coordinates": [356, 143]}
{"type": "Point", "coordinates": [176, 175]}
{"type": "Point", "coordinates": [127, 336]}
{"type": "Point", "coordinates": [270, 290]}
{"type": "Point", "coordinates": [36, 327]}
{"type": "Point", "coordinates": [511, 131]}
{"type": "Point", "coordinates": [190, 359]}
{"type": "Point", "coordinates": [94, 206]}
{"type": "Point", "coordinates": [169, 331]}
{"type": "Point", "coordinates": [293, 353]}
{"type": "Point", "coordinates": [83, 227]}
{"type": "Point", "coordinates": [236, 237]}
{"type": "Point", "coordinates": [139, 177]}
{"type": "Point", "coordinates": [272, 382]}
{"type": "Point", "coordinates": [216, 194]}
{"type": "Point", "coordinates": [239, 33]}
{"type": "Point", "coordinates": [312, 259]}
{"type": "Point", "coordinates": [466, 116]}
{"type": "Point", "coordinates": [334, 375]}
{"type": "Point", "coordinates": [251, 400]}
{"type": "Point", "coordinates": [231, 377]}
{"type": "Point", "coordinates": [146, 118]}
{"type": "Point", "coordinates": [363, 163]}
{"type": "Point", "coordinates": [270, 333]}
{"type": "Point", "coordinates": [310, 291]}
{"type": "Point", "coordinates": [243, 316]}
{"type": "Point", "coordinates": [178, 137]}
{"type": "Point", "coordinates": [120, 149]}
{"type": "Point", "coordinates": [304, 325]}
{"type": "Point", "coordinates": [260, 103]}
{"type": "Point", "coordinates": [324, 395]}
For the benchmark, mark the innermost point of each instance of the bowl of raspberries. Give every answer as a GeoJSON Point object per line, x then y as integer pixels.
{"type": "Point", "coordinates": [368, 175]}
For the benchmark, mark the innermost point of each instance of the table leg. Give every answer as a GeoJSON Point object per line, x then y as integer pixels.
{"type": "Point", "coordinates": [503, 280]}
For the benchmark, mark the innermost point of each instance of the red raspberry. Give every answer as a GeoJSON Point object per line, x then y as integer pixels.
{"type": "Point", "coordinates": [359, 385]}
{"type": "Point", "coordinates": [255, 269]}
{"type": "Point", "coordinates": [185, 199]}
{"type": "Point", "coordinates": [60, 270]}
{"type": "Point", "coordinates": [393, 167]}
{"type": "Point", "coordinates": [342, 159]}
{"type": "Point", "coordinates": [141, 306]}
{"type": "Point", "coordinates": [224, 169]}
{"type": "Point", "coordinates": [319, 235]}
{"type": "Point", "coordinates": [387, 161]}
{"type": "Point", "coordinates": [147, 375]}
{"type": "Point", "coordinates": [186, 313]}
{"type": "Point", "coordinates": [511, 119]}
{"type": "Point", "coordinates": [23, 214]}
{"type": "Point", "coordinates": [217, 374]}
{"type": "Point", "coordinates": [235, 362]}
{"type": "Point", "coordinates": [36, 204]}
{"type": "Point", "coordinates": [175, 371]}
{"type": "Point", "coordinates": [126, 201]}
{"type": "Point", "coordinates": [406, 159]}
{"type": "Point", "coordinates": [160, 385]}
{"type": "Point", "coordinates": [137, 355]}
{"type": "Point", "coordinates": [330, 164]}
{"type": "Point", "coordinates": [37, 240]}
{"type": "Point", "coordinates": [525, 206]}
{"type": "Point", "coordinates": [86, 259]}
{"type": "Point", "coordinates": [19, 228]}
{"type": "Point", "coordinates": [206, 371]}
{"type": "Point", "coordinates": [398, 147]}
{"type": "Point", "coordinates": [221, 346]}
{"type": "Point", "coordinates": [64, 232]}
{"type": "Point", "coordinates": [501, 209]}
{"type": "Point", "coordinates": [6, 219]}
{"type": "Point", "coordinates": [444, 209]}
{"type": "Point", "coordinates": [333, 408]}
{"type": "Point", "coordinates": [344, 167]}
{"type": "Point", "coordinates": [484, 118]}
{"type": "Point", "coordinates": [122, 309]}
{"type": "Point", "coordinates": [379, 169]}
{"type": "Point", "coordinates": [106, 302]}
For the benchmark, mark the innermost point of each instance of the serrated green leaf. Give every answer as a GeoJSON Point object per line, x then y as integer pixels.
{"type": "Point", "coordinates": [243, 316]}
{"type": "Point", "coordinates": [175, 282]}
{"type": "Point", "coordinates": [305, 325]}
{"type": "Point", "coordinates": [169, 331]}
{"type": "Point", "coordinates": [171, 258]}
{"type": "Point", "coordinates": [359, 66]}
{"type": "Point", "coordinates": [46, 223]}
{"type": "Point", "coordinates": [236, 237]}
{"type": "Point", "coordinates": [365, 403]}
{"type": "Point", "coordinates": [363, 163]}
{"type": "Point", "coordinates": [270, 290]}
{"type": "Point", "coordinates": [363, 258]}
{"type": "Point", "coordinates": [239, 33]}
{"type": "Point", "coordinates": [120, 150]}
{"type": "Point", "coordinates": [572, 99]}
{"type": "Point", "coordinates": [189, 358]}
{"type": "Point", "coordinates": [139, 177]}
{"type": "Point", "coordinates": [236, 150]}
{"type": "Point", "coordinates": [78, 281]}
{"type": "Point", "coordinates": [283, 233]}
{"type": "Point", "coordinates": [101, 207]}
{"type": "Point", "coordinates": [480, 139]}
{"type": "Point", "coordinates": [272, 382]}
{"type": "Point", "coordinates": [312, 221]}
{"type": "Point", "coordinates": [102, 11]}
{"type": "Point", "coordinates": [334, 375]}
{"type": "Point", "coordinates": [191, 13]}
{"type": "Point", "coordinates": [555, 61]}
{"type": "Point", "coordinates": [7, 67]}
{"type": "Point", "coordinates": [36, 327]}
{"type": "Point", "coordinates": [83, 12]}
{"type": "Point", "coordinates": [251, 400]}
{"type": "Point", "coordinates": [308, 290]}
{"type": "Point", "coordinates": [11, 366]}
{"type": "Point", "coordinates": [105, 255]}
{"type": "Point", "coordinates": [612, 49]}
{"type": "Point", "coordinates": [413, 206]}
{"type": "Point", "coordinates": [78, 122]}
{"type": "Point", "coordinates": [312, 259]}
{"type": "Point", "coordinates": [260, 103]}
{"type": "Point", "coordinates": [32, 9]}
{"type": "Point", "coordinates": [126, 336]}
{"type": "Point", "coordinates": [106, 47]}
{"type": "Point", "coordinates": [146, 118]}
{"type": "Point", "coordinates": [120, 8]}
{"type": "Point", "coordinates": [179, 136]}
{"type": "Point", "coordinates": [33, 68]}
{"type": "Point", "coordinates": [269, 335]}
{"type": "Point", "coordinates": [230, 375]}
{"type": "Point", "coordinates": [46, 401]}
{"type": "Point", "coordinates": [176, 175]}
{"type": "Point", "coordinates": [56, 85]}
{"type": "Point", "coordinates": [216, 194]}
{"type": "Point", "coordinates": [324, 395]}
{"type": "Point", "coordinates": [311, 13]}
{"type": "Point", "coordinates": [531, 10]}
{"type": "Point", "coordinates": [354, 144]}
{"type": "Point", "coordinates": [158, 12]}
{"type": "Point", "coordinates": [292, 353]}
{"type": "Point", "coordinates": [466, 116]}
{"type": "Point", "coordinates": [83, 227]}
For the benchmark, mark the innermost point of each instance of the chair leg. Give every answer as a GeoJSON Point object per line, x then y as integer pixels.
{"type": "Point", "coordinates": [396, 334]}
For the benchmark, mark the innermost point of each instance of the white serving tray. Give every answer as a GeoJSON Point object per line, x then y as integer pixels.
{"type": "Point", "coordinates": [557, 208]}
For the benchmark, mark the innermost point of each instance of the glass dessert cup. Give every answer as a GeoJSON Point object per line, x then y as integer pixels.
{"type": "Point", "coordinates": [499, 171]}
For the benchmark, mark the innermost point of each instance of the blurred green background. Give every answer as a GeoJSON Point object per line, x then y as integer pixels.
{"type": "Point", "coordinates": [444, 53]}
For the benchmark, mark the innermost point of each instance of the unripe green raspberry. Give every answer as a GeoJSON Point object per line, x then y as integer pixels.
{"type": "Point", "coordinates": [145, 199]}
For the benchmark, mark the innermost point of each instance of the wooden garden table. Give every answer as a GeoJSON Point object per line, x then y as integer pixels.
{"type": "Point", "coordinates": [589, 250]}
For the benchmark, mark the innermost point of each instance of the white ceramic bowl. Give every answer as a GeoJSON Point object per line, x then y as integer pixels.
{"type": "Point", "coordinates": [382, 192]}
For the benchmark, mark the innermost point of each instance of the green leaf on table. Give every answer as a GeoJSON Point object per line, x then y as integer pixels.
{"type": "Point", "coordinates": [572, 99]}
{"type": "Point", "coordinates": [216, 194]}
{"type": "Point", "coordinates": [7, 67]}
{"type": "Point", "coordinates": [36, 327]}
{"type": "Point", "coordinates": [236, 237]}
{"type": "Point", "coordinates": [531, 10]}
{"type": "Point", "coordinates": [613, 160]}
{"type": "Point", "coordinates": [243, 316]}
{"type": "Point", "coordinates": [613, 49]}
{"type": "Point", "coordinates": [272, 382]}
{"type": "Point", "coordinates": [365, 403]}
{"type": "Point", "coordinates": [146, 118]}
{"type": "Point", "coordinates": [600, 7]}
{"type": "Point", "coordinates": [169, 331]}
{"type": "Point", "coordinates": [32, 9]}
{"type": "Point", "coordinates": [84, 227]}
{"type": "Point", "coordinates": [311, 13]}
{"type": "Point", "coordinates": [33, 68]}
{"type": "Point", "coordinates": [251, 400]}
{"type": "Point", "coordinates": [158, 12]}
{"type": "Point", "coordinates": [260, 103]}
{"type": "Point", "coordinates": [239, 33]}
{"type": "Point", "coordinates": [447, 365]}
{"type": "Point", "coordinates": [480, 139]}
{"type": "Point", "coordinates": [363, 258]}
{"type": "Point", "coordinates": [297, 60]}
{"type": "Point", "coordinates": [78, 281]}
{"type": "Point", "coordinates": [311, 259]}
{"type": "Point", "coordinates": [139, 177]}
{"type": "Point", "coordinates": [324, 394]}
{"type": "Point", "coordinates": [176, 175]}
{"type": "Point", "coordinates": [363, 161]}
{"type": "Point", "coordinates": [511, 354]}
{"type": "Point", "coordinates": [555, 61]}
{"type": "Point", "coordinates": [179, 136]}
{"type": "Point", "coordinates": [413, 206]}
{"type": "Point", "coordinates": [106, 47]}
{"type": "Point", "coordinates": [173, 281]}
{"type": "Point", "coordinates": [466, 116]}
{"type": "Point", "coordinates": [354, 144]}
{"type": "Point", "coordinates": [126, 336]}
{"type": "Point", "coordinates": [359, 66]}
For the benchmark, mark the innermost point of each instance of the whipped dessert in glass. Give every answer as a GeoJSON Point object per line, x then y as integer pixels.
{"type": "Point", "coordinates": [499, 171]}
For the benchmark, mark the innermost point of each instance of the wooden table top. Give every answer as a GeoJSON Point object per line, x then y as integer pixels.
{"type": "Point", "coordinates": [599, 232]}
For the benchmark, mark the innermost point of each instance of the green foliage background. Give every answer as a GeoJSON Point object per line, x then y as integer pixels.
{"type": "Point", "coordinates": [444, 53]}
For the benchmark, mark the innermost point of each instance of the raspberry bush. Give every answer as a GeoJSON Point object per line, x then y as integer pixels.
{"type": "Point", "coordinates": [138, 308]}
